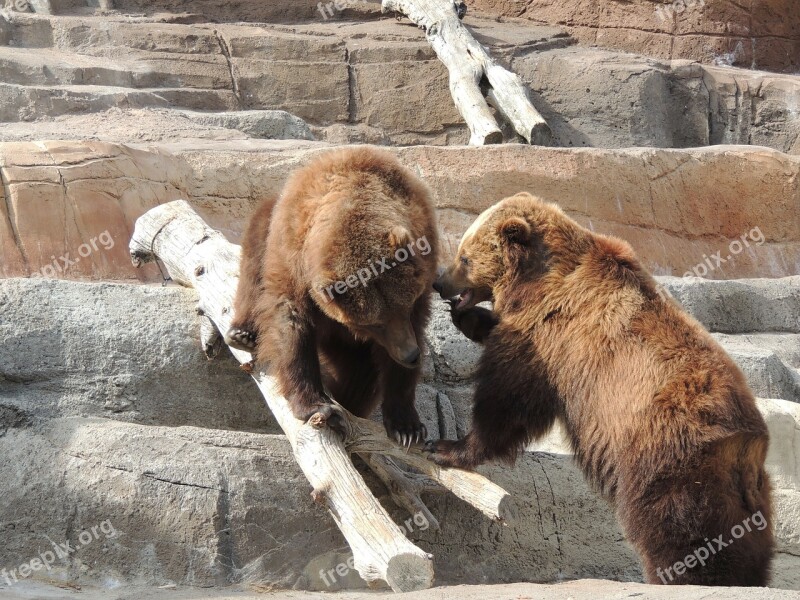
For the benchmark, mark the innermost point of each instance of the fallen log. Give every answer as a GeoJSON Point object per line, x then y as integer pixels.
{"type": "Point", "coordinates": [197, 256]}
{"type": "Point", "coordinates": [468, 62]}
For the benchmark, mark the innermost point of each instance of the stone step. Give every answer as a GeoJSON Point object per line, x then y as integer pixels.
{"type": "Point", "coordinates": [130, 353]}
{"type": "Point", "coordinates": [213, 507]}
{"type": "Point", "coordinates": [742, 306]}
{"type": "Point", "coordinates": [756, 35]}
{"type": "Point", "coordinates": [600, 98]}
{"type": "Point", "coordinates": [136, 125]}
{"type": "Point", "coordinates": [46, 67]}
{"type": "Point", "coordinates": [24, 103]}
{"type": "Point", "coordinates": [379, 81]}
{"type": "Point", "coordinates": [770, 362]}
{"type": "Point", "coordinates": [125, 364]}
{"type": "Point", "coordinates": [203, 507]}
{"type": "Point", "coordinates": [100, 35]}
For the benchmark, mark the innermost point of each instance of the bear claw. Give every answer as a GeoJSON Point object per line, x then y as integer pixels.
{"type": "Point", "coordinates": [241, 339]}
{"type": "Point", "coordinates": [406, 432]}
{"type": "Point", "coordinates": [414, 437]}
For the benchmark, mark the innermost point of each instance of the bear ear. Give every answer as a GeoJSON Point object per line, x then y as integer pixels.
{"type": "Point", "coordinates": [399, 237]}
{"type": "Point", "coordinates": [515, 230]}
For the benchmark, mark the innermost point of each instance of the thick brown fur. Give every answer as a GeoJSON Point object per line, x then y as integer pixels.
{"type": "Point", "coordinates": [339, 216]}
{"type": "Point", "coordinates": [660, 418]}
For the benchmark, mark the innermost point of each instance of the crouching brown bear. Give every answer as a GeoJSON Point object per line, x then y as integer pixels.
{"type": "Point", "coordinates": [335, 285]}
{"type": "Point", "coordinates": [661, 420]}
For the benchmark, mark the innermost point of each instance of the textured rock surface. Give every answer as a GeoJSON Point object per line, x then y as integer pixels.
{"type": "Point", "coordinates": [207, 507]}
{"type": "Point", "coordinates": [764, 34]}
{"type": "Point", "coordinates": [677, 208]}
{"type": "Point", "coordinates": [109, 412]}
{"type": "Point", "coordinates": [137, 125]}
{"type": "Point", "coordinates": [599, 98]}
{"type": "Point", "coordinates": [571, 590]}
{"type": "Point", "coordinates": [120, 352]}
{"type": "Point", "coordinates": [743, 306]}
{"type": "Point", "coordinates": [359, 80]}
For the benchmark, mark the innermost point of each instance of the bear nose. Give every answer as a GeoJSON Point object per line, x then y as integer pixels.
{"type": "Point", "coordinates": [437, 285]}
{"type": "Point", "coordinates": [412, 358]}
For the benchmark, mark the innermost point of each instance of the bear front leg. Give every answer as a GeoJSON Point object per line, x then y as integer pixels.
{"type": "Point", "coordinates": [513, 405]}
{"type": "Point", "coordinates": [242, 332]}
{"type": "Point", "coordinates": [291, 350]}
{"type": "Point", "coordinates": [400, 417]}
{"type": "Point", "coordinates": [476, 323]}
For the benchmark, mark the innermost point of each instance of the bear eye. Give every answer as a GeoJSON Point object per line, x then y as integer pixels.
{"type": "Point", "coordinates": [465, 261]}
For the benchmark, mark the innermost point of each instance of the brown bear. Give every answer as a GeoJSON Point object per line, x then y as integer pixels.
{"type": "Point", "coordinates": [335, 288]}
{"type": "Point", "coordinates": [660, 418]}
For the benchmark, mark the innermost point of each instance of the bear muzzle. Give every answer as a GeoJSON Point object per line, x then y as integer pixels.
{"type": "Point", "coordinates": [401, 344]}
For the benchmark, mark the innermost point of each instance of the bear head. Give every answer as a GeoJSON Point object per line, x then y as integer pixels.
{"type": "Point", "coordinates": [520, 236]}
{"type": "Point", "coordinates": [376, 285]}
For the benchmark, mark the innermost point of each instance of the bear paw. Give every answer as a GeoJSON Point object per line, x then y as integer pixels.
{"type": "Point", "coordinates": [476, 323]}
{"type": "Point", "coordinates": [329, 415]}
{"type": "Point", "coordinates": [447, 453]}
{"type": "Point", "coordinates": [241, 339]}
{"type": "Point", "coordinates": [405, 429]}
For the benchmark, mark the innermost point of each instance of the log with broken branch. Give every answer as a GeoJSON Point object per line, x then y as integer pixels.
{"type": "Point", "coordinates": [197, 256]}
{"type": "Point", "coordinates": [468, 62]}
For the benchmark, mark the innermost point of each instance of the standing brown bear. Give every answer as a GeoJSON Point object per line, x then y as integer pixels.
{"type": "Point", "coordinates": [661, 420]}
{"type": "Point", "coordinates": [335, 283]}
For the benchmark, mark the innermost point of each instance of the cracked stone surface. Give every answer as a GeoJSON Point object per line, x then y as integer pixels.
{"type": "Point", "coordinates": [764, 34]}
{"type": "Point", "coordinates": [108, 411]}
{"type": "Point", "coordinates": [678, 208]}
{"type": "Point", "coordinates": [359, 77]}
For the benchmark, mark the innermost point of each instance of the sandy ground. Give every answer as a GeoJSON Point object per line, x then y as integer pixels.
{"type": "Point", "coordinates": [586, 589]}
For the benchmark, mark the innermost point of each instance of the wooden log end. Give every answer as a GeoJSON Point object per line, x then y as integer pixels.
{"type": "Point", "coordinates": [493, 137]}
{"type": "Point", "coordinates": [541, 135]}
{"type": "Point", "coordinates": [410, 572]}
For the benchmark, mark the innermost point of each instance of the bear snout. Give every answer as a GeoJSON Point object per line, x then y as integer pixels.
{"type": "Point", "coordinates": [437, 284]}
{"type": "Point", "coordinates": [445, 286]}
{"type": "Point", "coordinates": [412, 358]}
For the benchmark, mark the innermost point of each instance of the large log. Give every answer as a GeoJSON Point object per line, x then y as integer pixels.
{"type": "Point", "coordinates": [468, 62]}
{"type": "Point", "coordinates": [197, 256]}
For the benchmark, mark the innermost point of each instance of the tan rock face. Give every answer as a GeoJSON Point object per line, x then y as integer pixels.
{"type": "Point", "coordinates": [720, 212]}
{"type": "Point", "coordinates": [764, 34]}
{"type": "Point", "coordinates": [374, 81]}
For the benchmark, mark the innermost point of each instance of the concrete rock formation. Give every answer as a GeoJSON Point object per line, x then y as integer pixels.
{"type": "Point", "coordinates": [677, 208]}
{"type": "Point", "coordinates": [764, 34]}
{"type": "Point", "coordinates": [109, 413]}
{"type": "Point", "coordinates": [375, 81]}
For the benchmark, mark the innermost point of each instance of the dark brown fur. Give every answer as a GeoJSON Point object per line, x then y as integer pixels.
{"type": "Point", "coordinates": [338, 215]}
{"type": "Point", "coordinates": [660, 418]}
